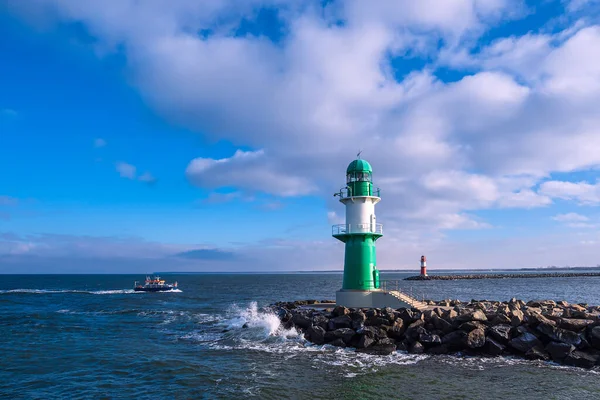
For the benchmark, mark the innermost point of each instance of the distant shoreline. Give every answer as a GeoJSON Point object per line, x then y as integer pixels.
{"type": "Point", "coordinates": [330, 271]}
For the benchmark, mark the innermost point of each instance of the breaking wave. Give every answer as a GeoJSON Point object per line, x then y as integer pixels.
{"type": "Point", "coordinates": [255, 329]}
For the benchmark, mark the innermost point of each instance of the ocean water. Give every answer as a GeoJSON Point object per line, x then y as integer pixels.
{"type": "Point", "coordinates": [92, 337]}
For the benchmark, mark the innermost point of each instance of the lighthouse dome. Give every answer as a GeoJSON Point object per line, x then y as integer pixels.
{"type": "Point", "coordinates": [359, 166]}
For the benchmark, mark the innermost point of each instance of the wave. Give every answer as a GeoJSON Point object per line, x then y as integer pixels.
{"type": "Point", "coordinates": [58, 291]}
{"type": "Point", "coordinates": [253, 329]}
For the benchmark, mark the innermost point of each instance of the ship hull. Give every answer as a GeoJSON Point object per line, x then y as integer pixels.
{"type": "Point", "coordinates": [162, 289]}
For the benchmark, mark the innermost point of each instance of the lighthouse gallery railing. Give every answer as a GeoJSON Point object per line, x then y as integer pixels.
{"type": "Point", "coordinates": [342, 229]}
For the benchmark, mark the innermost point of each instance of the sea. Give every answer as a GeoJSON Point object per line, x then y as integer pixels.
{"type": "Point", "coordinates": [93, 337]}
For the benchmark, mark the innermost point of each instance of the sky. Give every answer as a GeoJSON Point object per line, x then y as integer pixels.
{"type": "Point", "coordinates": [210, 136]}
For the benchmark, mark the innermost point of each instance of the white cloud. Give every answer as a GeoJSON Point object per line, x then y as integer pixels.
{"type": "Point", "coordinates": [126, 170]}
{"type": "Point", "coordinates": [248, 170]}
{"type": "Point", "coordinates": [334, 219]}
{"type": "Point", "coordinates": [582, 192]}
{"type": "Point", "coordinates": [570, 217]}
{"type": "Point", "coordinates": [527, 107]}
{"type": "Point", "coordinates": [147, 177]}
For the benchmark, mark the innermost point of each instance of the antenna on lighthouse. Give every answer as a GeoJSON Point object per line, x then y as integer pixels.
{"type": "Point", "coordinates": [358, 155]}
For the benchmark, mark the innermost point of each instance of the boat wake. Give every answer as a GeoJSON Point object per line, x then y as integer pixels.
{"type": "Point", "coordinates": [57, 291]}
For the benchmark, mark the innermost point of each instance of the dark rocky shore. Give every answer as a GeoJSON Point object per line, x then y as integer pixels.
{"type": "Point", "coordinates": [539, 330]}
{"type": "Point", "coordinates": [499, 276]}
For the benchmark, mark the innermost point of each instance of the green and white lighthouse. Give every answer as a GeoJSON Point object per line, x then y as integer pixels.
{"type": "Point", "coordinates": [359, 233]}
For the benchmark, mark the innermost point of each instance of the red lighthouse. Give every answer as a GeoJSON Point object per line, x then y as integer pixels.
{"type": "Point", "coordinates": [423, 266]}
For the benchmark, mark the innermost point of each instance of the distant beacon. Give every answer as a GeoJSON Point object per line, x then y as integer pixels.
{"type": "Point", "coordinates": [361, 284]}
{"type": "Point", "coordinates": [423, 266]}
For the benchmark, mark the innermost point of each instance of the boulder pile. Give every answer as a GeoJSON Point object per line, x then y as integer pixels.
{"type": "Point", "coordinates": [539, 330]}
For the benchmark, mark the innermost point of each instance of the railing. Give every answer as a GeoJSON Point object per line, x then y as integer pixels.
{"type": "Point", "coordinates": [345, 192]}
{"type": "Point", "coordinates": [344, 229]}
{"type": "Point", "coordinates": [389, 285]}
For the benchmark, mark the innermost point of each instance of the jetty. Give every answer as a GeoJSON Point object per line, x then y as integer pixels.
{"type": "Point", "coordinates": [546, 330]}
{"type": "Point", "coordinates": [500, 276]}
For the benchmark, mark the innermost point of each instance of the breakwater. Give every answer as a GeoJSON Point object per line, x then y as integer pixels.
{"type": "Point", "coordinates": [500, 276]}
{"type": "Point", "coordinates": [539, 330]}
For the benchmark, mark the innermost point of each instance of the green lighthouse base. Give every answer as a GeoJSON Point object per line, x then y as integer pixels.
{"type": "Point", "coordinates": [370, 299]}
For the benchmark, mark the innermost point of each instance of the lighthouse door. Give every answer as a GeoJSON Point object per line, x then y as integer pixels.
{"type": "Point", "coordinates": [373, 223]}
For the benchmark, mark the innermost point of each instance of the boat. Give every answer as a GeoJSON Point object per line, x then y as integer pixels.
{"type": "Point", "coordinates": [154, 284]}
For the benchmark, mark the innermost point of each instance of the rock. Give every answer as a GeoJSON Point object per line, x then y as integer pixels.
{"type": "Point", "coordinates": [301, 320]}
{"type": "Point", "coordinates": [441, 349]}
{"type": "Point", "coordinates": [315, 334]}
{"type": "Point", "coordinates": [537, 353]}
{"type": "Point", "coordinates": [376, 321]}
{"type": "Point", "coordinates": [338, 343]}
{"type": "Point", "coordinates": [358, 319]}
{"type": "Point", "coordinates": [373, 332]}
{"type": "Point", "coordinates": [402, 346]}
{"type": "Point", "coordinates": [438, 311]}
{"type": "Point", "coordinates": [346, 334]}
{"type": "Point", "coordinates": [357, 315]}
{"type": "Point", "coordinates": [559, 334]}
{"type": "Point", "coordinates": [575, 324]}
{"type": "Point", "coordinates": [501, 320]}
{"type": "Point", "coordinates": [471, 316]}
{"type": "Point", "coordinates": [535, 318]}
{"type": "Point", "coordinates": [380, 349]}
{"type": "Point", "coordinates": [406, 315]}
{"type": "Point", "coordinates": [389, 313]}
{"type": "Point", "coordinates": [492, 347]}
{"type": "Point", "coordinates": [320, 320]}
{"type": "Point", "coordinates": [581, 359]}
{"type": "Point", "coordinates": [517, 317]}
{"type": "Point", "coordinates": [386, 341]}
{"type": "Point", "coordinates": [413, 330]}
{"type": "Point", "coordinates": [594, 335]}
{"type": "Point", "coordinates": [416, 348]}
{"type": "Point", "coordinates": [558, 351]}
{"type": "Point", "coordinates": [500, 333]}
{"type": "Point", "coordinates": [441, 324]}
{"type": "Point", "coordinates": [364, 342]}
{"type": "Point", "coordinates": [429, 339]}
{"type": "Point", "coordinates": [490, 315]}
{"type": "Point", "coordinates": [469, 326]}
{"type": "Point", "coordinates": [343, 321]}
{"type": "Point", "coordinates": [476, 338]}
{"type": "Point", "coordinates": [284, 315]}
{"type": "Point", "coordinates": [449, 315]}
{"type": "Point", "coordinates": [428, 314]}
{"type": "Point", "coordinates": [455, 340]}
{"type": "Point", "coordinates": [397, 330]}
{"type": "Point", "coordinates": [525, 342]}
{"type": "Point", "coordinates": [578, 307]}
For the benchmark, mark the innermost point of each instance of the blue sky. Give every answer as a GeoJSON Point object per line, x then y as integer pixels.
{"type": "Point", "coordinates": [210, 137]}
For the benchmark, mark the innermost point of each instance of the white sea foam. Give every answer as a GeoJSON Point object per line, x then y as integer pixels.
{"type": "Point", "coordinates": [249, 328]}
{"type": "Point", "coordinates": [57, 291]}
{"type": "Point", "coordinates": [251, 317]}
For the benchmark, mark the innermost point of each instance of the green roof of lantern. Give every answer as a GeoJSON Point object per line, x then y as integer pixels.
{"type": "Point", "coordinates": [359, 166]}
